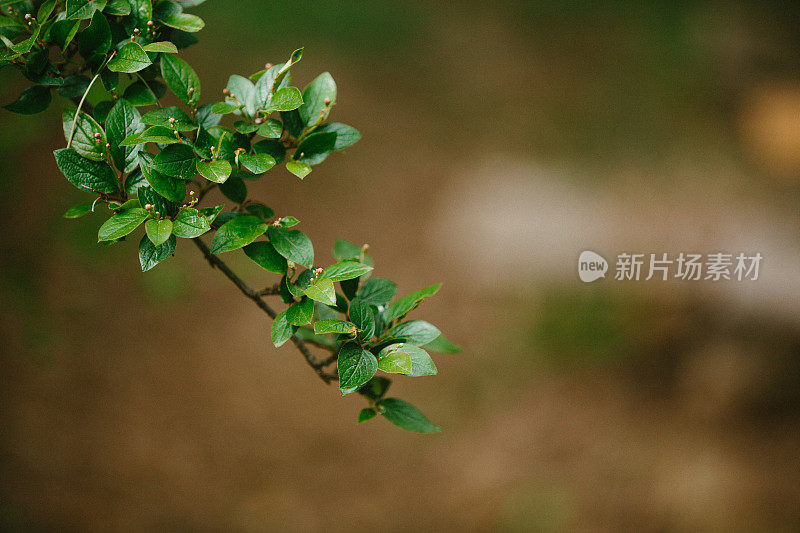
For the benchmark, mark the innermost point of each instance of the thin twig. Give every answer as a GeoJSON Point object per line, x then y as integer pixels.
{"type": "Point", "coordinates": [216, 262]}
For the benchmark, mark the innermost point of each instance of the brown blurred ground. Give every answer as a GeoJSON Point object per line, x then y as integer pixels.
{"type": "Point", "coordinates": [499, 142]}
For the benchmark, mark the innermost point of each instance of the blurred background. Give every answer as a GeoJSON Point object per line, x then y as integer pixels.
{"type": "Point", "coordinates": [499, 141]}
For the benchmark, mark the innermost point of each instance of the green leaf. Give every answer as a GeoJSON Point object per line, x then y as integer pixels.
{"type": "Point", "coordinates": [166, 186]}
{"type": "Point", "coordinates": [205, 118]}
{"type": "Point", "coordinates": [45, 10]}
{"type": "Point", "coordinates": [314, 110]}
{"type": "Point", "coordinates": [83, 9]}
{"type": "Point", "coordinates": [265, 255]}
{"type": "Point", "coordinates": [217, 171]}
{"type": "Point", "coordinates": [285, 99]}
{"type": "Point", "coordinates": [301, 313]}
{"type": "Point", "coordinates": [356, 367]}
{"type": "Point", "coordinates": [282, 331]}
{"type": "Point", "coordinates": [158, 230]}
{"type": "Point", "coordinates": [184, 22]}
{"type": "Point", "coordinates": [366, 414]}
{"type": "Point", "coordinates": [177, 160]}
{"type": "Point", "coordinates": [260, 210]}
{"type": "Point", "coordinates": [121, 224]}
{"type": "Point", "coordinates": [363, 317]}
{"type": "Point", "coordinates": [84, 141]}
{"type": "Point", "coordinates": [301, 170]}
{"type": "Point", "coordinates": [164, 47]}
{"type": "Point", "coordinates": [273, 147]}
{"type": "Point", "coordinates": [341, 327]}
{"type": "Point", "coordinates": [156, 134]}
{"type": "Point", "coordinates": [32, 101]}
{"type": "Point", "coordinates": [242, 94]}
{"type": "Point", "coordinates": [377, 291]}
{"type": "Point", "coordinates": [405, 304]}
{"type": "Point", "coordinates": [123, 121]}
{"type": "Point", "coordinates": [96, 38]}
{"type": "Point", "coordinates": [161, 116]}
{"type": "Point", "coordinates": [63, 31]}
{"type": "Point", "coordinates": [344, 250]}
{"type": "Point", "coordinates": [189, 223]}
{"type": "Point", "coordinates": [161, 206]}
{"type": "Point", "coordinates": [346, 136]}
{"type": "Point", "coordinates": [406, 416]}
{"type": "Point", "coordinates": [288, 222]}
{"type": "Point", "coordinates": [130, 58]}
{"type": "Point", "coordinates": [441, 345]}
{"type": "Point", "coordinates": [394, 362]}
{"type": "Point", "coordinates": [150, 256]}
{"type": "Point", "coordinates": [258, 163]}
{"type": "Point", "coordinates": [315, 148]}
{"type": "Point", "coordinates": [417, 332]}
{"type": "Point", "coordinates": [78, 210]}
{"type": "Point", "coordinates": [224, 108]}
{"type": "Point", "coordinates": [85, 174]}
{"type": "Point", "coordinates": [282, 73]}
{"type": "Point", "coordinates": [234, 190]}
{"type": "Point", "coordinates": [345, 270]}
{"type": "Point", "coordinates": [118, 7]}
{"type": "Point", "coordinates": [375, 388]}
{"type": "Point", "coordinates": [271, 129]}
{"type": "Point", "coordinates": [140, 94]}
{"type": "Point", "coordinates": [181, 79]}
{"type": "Point", "coordinates": [294, 245]}
{"type": "Point", "coordinates": [237, 233]}
{"type": "Point", "coordinates": [420, 363]}
{"type": "Point", "coordinates": [242, 126]}
{"type": "Point", "coordinates": [322, 291]}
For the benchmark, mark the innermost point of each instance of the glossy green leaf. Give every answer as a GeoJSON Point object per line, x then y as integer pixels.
{"type": "Point", "coordinates": [362, 315]}
{"type": "Point", "coordinates": [258, 163]}
{"type": "Point", "coordinates": [118, 7]}
{"type": "Point", "coordinates": [404, 415]}
{"type": "Point", "coordinates": [282, 330]}
{"type": "Point", "coordinates": [314, 149]}
{"type": "Point", "coordinates": [346, 136]}
{"type": "Point", "coordinates": [375, 388]}
{"type": "Point", "coordinates": [441, 345]}
{"type": "Point", "coordinates": [164, 47]}
{"type": "Point", "coordinates": [405, 304]}
{"type": "Point", "coordinates": [181, 79]}
{"type": "Point", "coordinates": [189, 223]}
{"type": "Point", "coordinates": [271, 129]}
{"type": "Point", "coordinates": [288, 222]}
{"type": "Point", "coordinates": [314, 110]}
{"type": "Point", "coordinates": [140, 94]}
{"type": "Point", "coordinates": [323, 291]}
{"type": "Point", "coordinates": [63, 31]}
{"type": "Point", "coordinates": [237, 233]}
{"type": "Point", "coordinates": [285, 99]}
{"type": "Point", "coordinates": [158, 230]}
{"type": "Point", "coordinates": [224, 108]}
{"type": "Point", "coordinates": [122, 122]}
{"type": "Point", "coordinates": [78, 210]}
{"type": "Point", "coordinates": [341, 327]}
{"type": "Point", "coordinates": [87, 175]}
{"type": "Point", "coordinates": [89, 139]}
{"type": "Point", "coordinates": [177, 160]}
{"type": "Point", "coordinates": [234, 190]}
{"type": "Point", "coordinates": [301, 170]}
{"type": "Point", "coordinates": [150, 255]}
{"type": "Point", "coordinates": [345, 270]}
{"type": "Point", "coordinates": [241, 94]}
{"type": "Point", "coordinates": [260, 210]}
{"type": "Point", "coordinates": [83, 9]}
{"type": "Point", "coordinates": [377, 291]}
{"type": "Point", "coordinates": [161, 116]}
{"type": "Point", "coordinates": [417, 332]}
{"type": "Point", "coordinates": [170, 188]}
{"type": "Point", "coordinates": [394, 362]}
{"type": "Point", "coordinates": [265, 256]}
{"type": "Point", "coordinates": [294, 245]}
{"type": "Point", "coordinates": [356, 367]}
{"type": "Point", "coordinates": [420, 362]}
{"type": "Point", "coordinates": [155, 134]}
{"type": "Point", "coordinates": [367, 414]}
{"type": "Point", "coordinates": [130, 58]}
{"type": "Point", "coordinates": [121, 224]}
{"type": "Point", "coordinates": [184, 22]}
{"type": "Point", "coordinates": [32, 101]}
{"type": "Point", "coordinates": [96, 37]}
{"type": "Point", "coordinates": [217, 171]}
{"type": "Point", "coordinates": [301, 313]}
{"type": "Point", "coordinates": [344, 250]}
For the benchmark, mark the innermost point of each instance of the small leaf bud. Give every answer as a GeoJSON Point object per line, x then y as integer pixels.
{"type": "Point", "coordinates": [327, 101]}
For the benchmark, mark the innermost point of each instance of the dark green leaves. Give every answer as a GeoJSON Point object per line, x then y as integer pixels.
{"type": "Point", "coordinates": [394, 362]}
{"type": "Point", "coordinates": [32, 100]}
{"type": "Point", "coordinates": [300, 313]}
{"type": "Point", "coordinates": [241, 94]}
{"type": "Point", "coordinates": [441, 345]}
{"type": "Point", "coordinates": [340, 327]}
{"type": "Point", "coordinates": [177, 160]}
{"type": "Point", "coordinates": [419, 362]}
{"type": "Point", "coordinates": [86, 175]}
{"type": "Point", "coordinates": [282, 330]}
{"type": "Point", "coordinates": [405, 304]}
{"type": "Point", "coordinates": [83, 9]}
{"type": "Point", "coordinates": [294, 245]}
{"type": "Point", "coordinates": [366, 414]}
{"type": "Point", "coordinates": [123, 120]}
{"type": "Point", "coordinates": [322, 291]}
{"type": "Point", "coordinates": [299, 169]}
{"type": "Point", "coordinates": [78, 210]}
{"type": "Point", "coordinates": [162, 116]}
{"type": "Point", "coordinates": [88, 138]}
{"type": "Point", "coordinates": [416, 332]}
{"type": "Point", "coordinates": [285, 99]}
{"type": "Point", "coordinates": [150, 255]}
{"type": "Point", "coordinates": [158, 231]}
{"type": "Point", "coordinates": [184, 22]}
{"type": "Point", "coordinates": [258, 163]}
{"type": "Point", "coordinates": [356, 367]}
{"type": "Point", "coordinates": [315, 148]}
{"type": "Point", "coordinates": [345, 270]}
{"type": "Point", "coordinates": [130, 58]}
{"type": "Point", "coordinates": [156, 134]}
{"type": "Point", "coordinates": [265, 255]}
{"type": "Point", "coordinates": [189, 223]}
{"type": "Point", "coordinates": [314, 109]}
{"type": "Point", "coordinates": [406, 416]}
{"type": "Point", "coordinates": [237, 233]}
{"type": "Point", "coordinates": [121, 224]}
{"type": "Point", "coordinates": [164, 47]}
{"type": "Point", "coordinates": [96, 38]}
{"type": "Point", "coordinates": [170, 188]}
{"type": "Point", "coordinates": [217, 171]}
{"type": "Point", "coordinates": [181, 79]}
{"type": "Point", "coordinates": [363, 317]}
{"type": "Point", "coordinates": [377, 291]}
{"type": "Point", "coordinates": [345, 135]}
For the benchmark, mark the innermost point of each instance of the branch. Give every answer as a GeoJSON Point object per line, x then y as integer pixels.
{"type": "Point", "coordinates": [216, 262]}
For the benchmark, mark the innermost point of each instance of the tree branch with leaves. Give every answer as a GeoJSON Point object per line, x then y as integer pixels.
{"type": "Point", "coordinates": [107, 59]}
